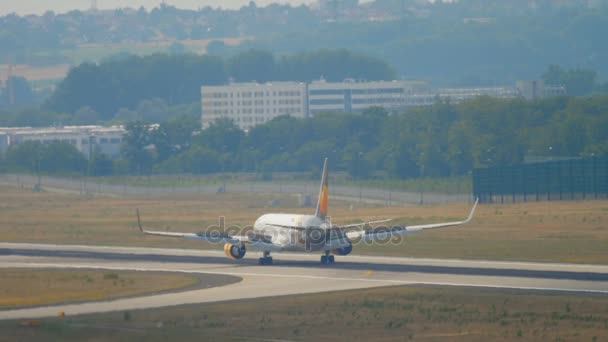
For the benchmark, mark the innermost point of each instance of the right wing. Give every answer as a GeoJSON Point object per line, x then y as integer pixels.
{"type": "Point", "coordinates": [353, 225]}
{"type": "Point", "coordinates": [446, 224]}
{"type": "Point", "coordinates": [219, 238]}
{"type": "Point", "coordinates": [383, 234]}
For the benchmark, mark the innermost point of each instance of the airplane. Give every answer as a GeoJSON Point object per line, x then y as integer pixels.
{"type": "Point", "coordinates": [303, 233]}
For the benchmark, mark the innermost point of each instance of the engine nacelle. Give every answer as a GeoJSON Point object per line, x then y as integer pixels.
{"type": "Point", "coordinates": [344, 250]}
{"type": "Point", "coordinates": [234, 252]}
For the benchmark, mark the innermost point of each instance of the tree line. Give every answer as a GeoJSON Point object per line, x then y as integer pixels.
{"type": "Point", "coordinates": [441, 140]}
{"type": "Point", "coordinates": [254, 64]}
{"type": "Point", "coordinates": [125, 81]}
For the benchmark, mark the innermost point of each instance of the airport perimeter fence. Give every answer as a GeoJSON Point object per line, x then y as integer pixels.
{"type": "Point", "coordinates": [355, 194]}
{"type": "Point", "coordinates": [572, 179]}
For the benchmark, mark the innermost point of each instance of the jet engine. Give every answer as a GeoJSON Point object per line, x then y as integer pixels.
{"type": "Point", "coordinates": [344, 250]}
{"type": "Point", "coordinates": [234, 252]}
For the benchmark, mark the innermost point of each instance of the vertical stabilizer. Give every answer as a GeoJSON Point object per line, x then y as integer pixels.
{"type": "Point", "coordinates": [323, 194]}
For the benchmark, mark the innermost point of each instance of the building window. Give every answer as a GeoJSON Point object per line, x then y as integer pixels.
{"type": "Point", "coordinates": [328, 92]}
{"type": "Point", "coordinates": [327, 102]}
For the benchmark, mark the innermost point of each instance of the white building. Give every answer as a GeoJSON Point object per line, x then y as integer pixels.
{"type": "Point", "coordinates": [86, 139]}
{"type": "Point", "coordinates": [531, 90]}
{"type": "Point", "coordinates": [351, 96]}
{"type": "Point", "coordinates": [249, 104]}
{"type": "Point", "coordinates": [536, 89]}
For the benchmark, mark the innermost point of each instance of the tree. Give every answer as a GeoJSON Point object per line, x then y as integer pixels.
{"type": "Point", "coordinates": [126, 82]}
{"type": "Point", "coordinates": [56, 157]}
{"type": "Point", "coordinates": [100, 165]}
{"type": "Point", "coordinates": [137, 148]}
{"type": "Point", "coordinates": [198, 159]}
{"type": "Point", "coordinates": [174, 136]}
{"type": "Point", "coordinates": [22, 93]}
{"type": "Point", "coordinates": [334, 66]}
{"type": "Point", "coordinates": [125, 115]}
{"type": "Point", "coordinates": [37, 117]}
{"type": "Point", "coordinates": [578, 82]}
{"type": "Point", "coordinates": [253, 66]}
{"type": "Point", "coordinates": [222, 136]}
{"type": "Point", "coordinates": [153, 110]}
{"type": "Point", "coordinates": [85, 116]}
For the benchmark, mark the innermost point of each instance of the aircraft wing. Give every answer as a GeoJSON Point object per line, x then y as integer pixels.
{"type": "Point", "coordinates": [387, 233]}
{"type": "Point", "coordinates": [256, 244]}
{"type": "Point", "coordinates": [446, 224]}
{"type": "Point", "coordinates": [353, 225]}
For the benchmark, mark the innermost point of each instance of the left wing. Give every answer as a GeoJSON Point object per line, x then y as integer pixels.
{"type": "Point", "coordinates": [216, 238]}
{"type": "Point", "coordinates": [219, 238]}
{"type": "Point", "coordinates": [387, 233]}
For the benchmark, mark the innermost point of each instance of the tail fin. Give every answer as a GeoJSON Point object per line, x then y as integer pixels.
{"type": "Point", "coordinates": [323, 194]}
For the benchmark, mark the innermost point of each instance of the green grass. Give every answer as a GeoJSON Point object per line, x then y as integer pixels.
{"type": "Point", "coordinates": [35, 287]}
{"type": "Point", "coordinates": [451, 185]}
{"type": "Point", "coordinates": [167, 181]}
{"type": "Point", "coordinates": [569, 232]}
{"type": "Point", "coordinates": [383, 314]}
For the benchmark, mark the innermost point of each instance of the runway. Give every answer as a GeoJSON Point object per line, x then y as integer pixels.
{"type": "Point", "coordinates": [292, 274]}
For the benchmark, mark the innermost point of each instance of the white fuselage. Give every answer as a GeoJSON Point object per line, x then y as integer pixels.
{"type": "Point", "coordinates": [293, 232]}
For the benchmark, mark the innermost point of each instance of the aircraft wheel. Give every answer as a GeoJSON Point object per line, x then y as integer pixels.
{"type": "Point", "coordinates": [331, 259]}
{"type": "Point", "coordinates": [265, 261]}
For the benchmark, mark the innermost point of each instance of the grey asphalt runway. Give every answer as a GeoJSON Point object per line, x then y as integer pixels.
{"type": "Point", "coordinates": [292, 274]}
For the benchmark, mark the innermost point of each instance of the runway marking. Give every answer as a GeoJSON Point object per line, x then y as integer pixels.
{"type": "Point", "coordinates": [248, 274]}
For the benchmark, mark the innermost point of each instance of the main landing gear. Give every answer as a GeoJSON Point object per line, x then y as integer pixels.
{"type": "Point", "coordinates": [327, 259]}
{"type": "Point", "coordinates": [266, 260]}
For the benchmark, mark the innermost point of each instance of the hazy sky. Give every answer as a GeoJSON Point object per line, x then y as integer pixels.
{"type": "Point", "coordinates": [41, 6]}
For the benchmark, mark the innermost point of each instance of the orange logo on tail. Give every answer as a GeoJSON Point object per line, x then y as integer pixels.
{"type": "Point", "coordinates": [324, 199]}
